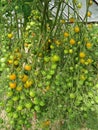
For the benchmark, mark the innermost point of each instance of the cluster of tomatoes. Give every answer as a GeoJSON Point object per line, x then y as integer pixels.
{"type": "Point", "coordinates": [50, 76]}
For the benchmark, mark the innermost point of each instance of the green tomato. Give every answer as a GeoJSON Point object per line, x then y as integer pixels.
{"type": "Point", "coordinates": [49, 76]}
{"type": "Point", "coordinates": [10, 93]}
{"type": "Point", "coordinates": [15, 115]}
{"type": "Point", "coordinates": [20, 121]}
{"type": "Point", "coordinates": [37, 108]}
{"type": "Point", "coordinates": [22, 96]}
{"type": "Point", "coordinates": [32, 23]}
{"type": "Point", "coordinates": [10, 103]}
{"type": "Point", "coordinates": [51, 72]}
{"type": "Point", "coordinates": [96, 53]}
{"type": "Point", "coordinates": [1, 120]}
{"type": "Point", "coordinates": [66, 51]}
{"type": "Point", "coordinates": [28, 105]}
{"type": "Point", "coordinates": [54, 66]}
{"type": "Point", "coordinates": [72, 95]}
{"type": "Point", "coordinates": [8, 109]}
{"type": "Point", "coordinates": [46, 59]}
{"type": "Point", "coordinates": [41, 103]}
{"type": "Point", "coordinates": [20, 107]}
{"type": "Point", "coordinates": [32, 93]}
{"type": "Point", "coordinates": [16, 7]}
{"type": "Point", "coordinates": [55, 58]}
{"type": "Point", "coordinates": [43, 73]}
{"type": "Point", "coordinates": [15, 98]}
{"type": "Point", "coordinates": [2, 60]}
{"type": "Point", "coordinates": [12, 122]}
{"type": "Point", "coordinates": [96, 86]}
{"type": "Point", "coordinates": [3, 65]}
{"type": "Point", "coordinates": [79, 5]}
{"type": "Point", "coordinates": [36, 100]}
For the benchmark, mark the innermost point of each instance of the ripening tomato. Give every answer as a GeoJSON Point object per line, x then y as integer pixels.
{"type": "Point", "coordinates": [55, 58]}
{"type": "Point", "coordinates": [19, 88]}
{"type": "Point", "coordinates": [71, 20]}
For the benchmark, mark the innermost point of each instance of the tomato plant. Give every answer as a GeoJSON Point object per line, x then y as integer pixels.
{"type": "Point", "coordinates": [48, 65]}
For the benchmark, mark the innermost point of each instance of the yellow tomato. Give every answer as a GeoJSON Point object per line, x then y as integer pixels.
{"type": "Point", "coordinates": [57, 42]}
{"type": "Point", "coordinates": [89, 61]}
{"type": "Point", "coordinates": [76, 29]}
{"type": "Point", "coordinates": [88, 45]}
{"type": "Point", "coordinates": [10, 35]}
{"type": "Point", "coordinates": [24, 78]}
{"type": "Point", "coordinates": [82, 55]}
{"type": "Point", "coordinates": [63, 21]}
{"type": "Point", "coordinates": [28, 83]}
{"type": "Point", "coordinates": [12, 85]}
{"type": "Point", "coordinates": [90, 2]}
{"type": "Point", "coordinates": [12, 76]}
{"type": "Point", "coordinates": [46, 123]}
{"type": "Point", "coordinates": [66, 34]}
{"type": "Point", "coordinates": [82, 61]}
{"type": "Point", "coordinates": [10, 61]}
{"type": "Point", "coordinates": [72, 41]}
{"type": "Point", "coordinates": [89, 14]}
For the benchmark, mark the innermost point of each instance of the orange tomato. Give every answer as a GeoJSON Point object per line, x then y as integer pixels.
{"type": "Point", "coordinates": [27, 67]}
{"type": "Point", "coordinates": [12, 76]}
{"type": "Point", "coordinates": [12, 85]}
